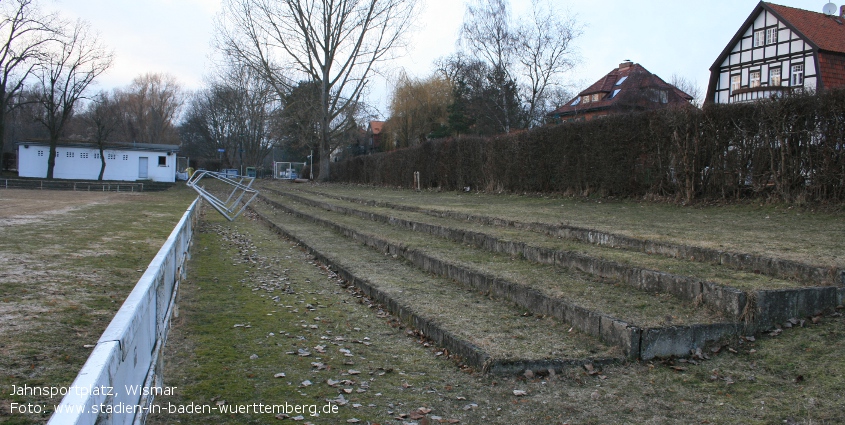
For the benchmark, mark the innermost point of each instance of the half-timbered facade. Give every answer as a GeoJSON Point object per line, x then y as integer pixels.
{"type": "Point", "coordinates": [780, 49]}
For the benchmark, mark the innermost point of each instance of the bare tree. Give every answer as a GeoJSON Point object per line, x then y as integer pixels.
{"type": "Point", "coordinates": [689, 87]}
{"type": "Point", "coordinates": [544, 52]}
{"type": "Point", "coordinates": [149, 107]}
{"type": "Point", "coordinates": [487, 35]}
{"type": "Point", "coordinates": [234, 114]}
{"type": "Point", "coordinates": [335, 44]}
{"type": "Point", "coordinates": [531, 53]}
{"type": "Point", "coordinates": [24, 34]}
{"type": "Point", "coordinates": [102, 119]}
{"type": "Point", "coordinates": [67, 71]}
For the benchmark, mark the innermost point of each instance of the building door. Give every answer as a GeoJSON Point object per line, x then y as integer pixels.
{"type": "Point", "coordinates": [142, 167]}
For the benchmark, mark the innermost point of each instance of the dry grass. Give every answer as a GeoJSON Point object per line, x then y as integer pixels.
{"type": "Point", "coordinates": [617, 300]}
{"type": "Point", "coordinates": [795, 233]}
{"type": "Point", "coordinates": [495, 326]}
{"type": "Point", "coordinates": [796, 376]}
{"type": "Point", "coordinates": [67, 261]}
{"type": "Point", "coordinates": [704, 271]}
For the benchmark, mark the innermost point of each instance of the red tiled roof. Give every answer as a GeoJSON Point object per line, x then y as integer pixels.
{"type": "Point", "coordinates": [826, 32]}
{"type": "Point", "coordinates": [376, 126]}
{"type": "Point", "coordinates": [640, 78]}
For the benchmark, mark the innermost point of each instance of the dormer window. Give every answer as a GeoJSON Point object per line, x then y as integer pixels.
{"type": "Point", "coordinates": [577, 101]}
{"type": "Point", "coordinates": [621, 80]}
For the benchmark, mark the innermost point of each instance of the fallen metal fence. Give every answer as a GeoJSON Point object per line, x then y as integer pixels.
{"type": "Point", "coordinates": [128, 357]}
{"type": "Point", "coordinates": [236, 190]}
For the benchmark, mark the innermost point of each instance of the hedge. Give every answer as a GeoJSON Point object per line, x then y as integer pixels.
{"type": "Point", "coordinates": [790, 148]}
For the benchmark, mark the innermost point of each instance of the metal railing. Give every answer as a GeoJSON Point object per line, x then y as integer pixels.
{"type": "Point", "coordinates": [128, 357]}
{"type": "Point", "coordinates": [85, 186]}
{"type": "Point", "coordinates": [237, 195]}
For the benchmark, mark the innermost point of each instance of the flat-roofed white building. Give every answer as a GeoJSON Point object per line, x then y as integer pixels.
{"type": "Point", "coordinates": [82, 161]}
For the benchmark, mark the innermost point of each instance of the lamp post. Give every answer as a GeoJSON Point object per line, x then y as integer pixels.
{"type": "Point", "coordinates": [311, 168]}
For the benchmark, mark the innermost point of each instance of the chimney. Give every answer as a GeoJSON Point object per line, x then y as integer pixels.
{"type": "Point", "coordinates": [842, 11]}
{"type": "Point", "coordinates": [626, 64]}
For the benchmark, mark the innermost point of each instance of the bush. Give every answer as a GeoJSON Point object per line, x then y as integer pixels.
{"type": "Point", "coordinates": [790, 148]}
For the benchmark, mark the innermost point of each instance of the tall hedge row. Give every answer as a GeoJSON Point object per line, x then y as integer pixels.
{"type": "Point", "coordinates": [790, 148]}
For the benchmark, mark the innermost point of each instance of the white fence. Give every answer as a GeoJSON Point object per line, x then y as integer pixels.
{"type": "Point", "coordinates": [115, 386]}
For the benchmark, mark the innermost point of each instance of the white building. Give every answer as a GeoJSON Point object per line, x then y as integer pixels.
{"type": "Point", "coordinates": [779, 49]}
{"type": "Point", "coordinates": [81, 161]}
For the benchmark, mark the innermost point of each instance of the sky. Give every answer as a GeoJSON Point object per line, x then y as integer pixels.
{"type": "Point", "coordinates": [667, 37]}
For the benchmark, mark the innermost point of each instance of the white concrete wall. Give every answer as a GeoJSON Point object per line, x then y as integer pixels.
{"type": "Point", "coordinates": [80, 163]}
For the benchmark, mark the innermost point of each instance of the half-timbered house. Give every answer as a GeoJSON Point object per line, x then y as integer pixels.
{"type": "Point", "coordinates": [779, 49]}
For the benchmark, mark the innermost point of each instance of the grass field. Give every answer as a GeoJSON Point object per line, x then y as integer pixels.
{"type": "Point", "coordinates": [67, 261]}
{"type": "Point", "coordinates": [262, 322]}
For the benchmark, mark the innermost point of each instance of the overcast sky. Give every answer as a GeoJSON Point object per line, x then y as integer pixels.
{"type": "Point", "coordinates": [665, 36]}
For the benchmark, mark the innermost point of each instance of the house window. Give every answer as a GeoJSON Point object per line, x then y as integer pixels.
{"type": "Point", "coordinates": [798, 74]}
{"type": "Point", "coordinates": [162, 161]}
{"type": "Point", "coordinates": [755, 79]}
{"type": "Point", "coordinates": [126, 157]}
{"type": "Point", "coordinates": [621, 80]}
{"type": "Point", "coordinates": [759, 38]}
{"type": "Point", "coordinates": [774, 76]}
{"type": "Point", "coordinates": [736, 80]}
{"type": "Point", "coordinates": [96, 156]}
{"type": "Point", "coordinates": [83, 155]}
{"type": "Point", "coordinates": [771, 36]}
{"type": "Point", "coordinates": [111, 156]}
{"type": "Point", "coordinates": [577, 101]}
{"type": "Point", "coordinates": [615, 92]}
{"type": "Point", "coordinates": [586, 98]}
{"type": "Point", "coordinates": [69, 154]}
{"type": "Point", "coordinates": [40, 153]}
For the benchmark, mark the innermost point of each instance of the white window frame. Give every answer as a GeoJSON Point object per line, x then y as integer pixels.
{"type": "Point", "coordinates": [775, 77]}
{"type": "Point", "coordinates": [754, 78]}
{"type": "Point", "coordinates": [797, 74]}
{"type": "Point", "coordinates": [759, 38]}
{"type": "Point", "coordinates": [771, 35]}
{"type": "Point", "coordinates": [736, 82]}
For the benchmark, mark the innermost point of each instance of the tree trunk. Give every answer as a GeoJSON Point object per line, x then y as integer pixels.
{"type": "Point", "coordinates": [51, 159]}
{"type": "Point", "coordinates": [102, 164]}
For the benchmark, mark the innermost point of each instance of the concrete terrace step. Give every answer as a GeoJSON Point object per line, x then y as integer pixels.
{"type": "Point", "coordinates": [810, 275]}
{"type": "Point", "coordinates": [488, 334]}
{"type": "Point", "coordinates": [645, 325]}
{"type": "Point", "coordinates": [754, 298]}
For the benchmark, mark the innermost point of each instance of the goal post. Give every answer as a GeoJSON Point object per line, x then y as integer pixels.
{"type": "Point", "coordinates": [287, 170]}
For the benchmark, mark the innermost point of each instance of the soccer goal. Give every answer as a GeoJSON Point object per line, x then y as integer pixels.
{"type": "Point", "coordinates": [287, 170]}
